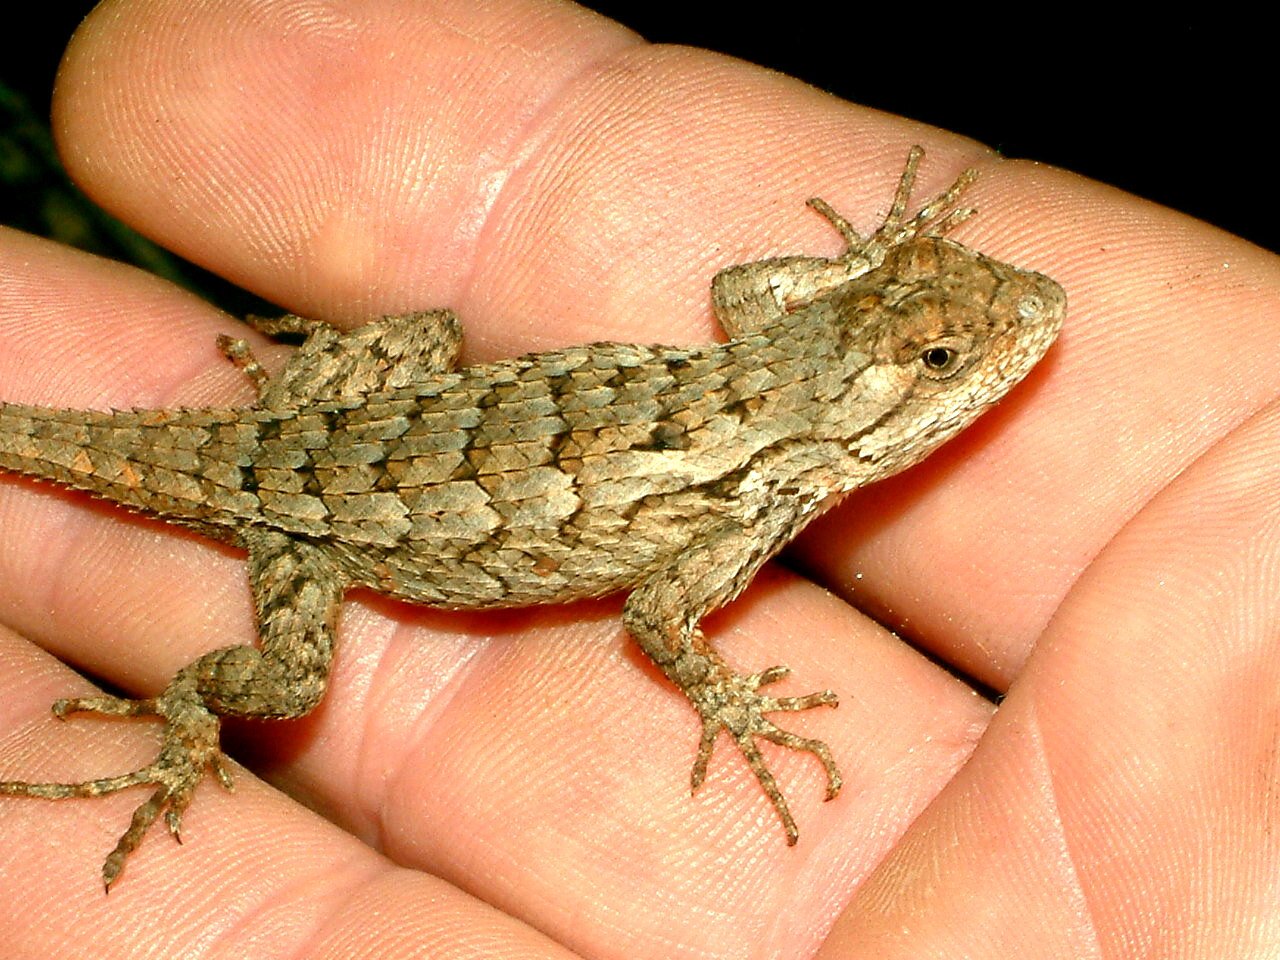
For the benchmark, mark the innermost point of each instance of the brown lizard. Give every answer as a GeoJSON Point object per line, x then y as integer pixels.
{"type": "Point", "coordinates": [673, 473]}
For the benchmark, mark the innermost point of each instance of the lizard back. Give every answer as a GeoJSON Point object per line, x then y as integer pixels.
{"type": "Point", "coordinates": [577, 465]}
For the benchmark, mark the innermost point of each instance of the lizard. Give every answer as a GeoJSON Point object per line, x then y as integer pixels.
{"type": "Point", "coordinates": [673, 473]}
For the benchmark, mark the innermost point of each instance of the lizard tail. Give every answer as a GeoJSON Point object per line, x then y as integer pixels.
{"type": "Point", "coordinates": [180, 463]}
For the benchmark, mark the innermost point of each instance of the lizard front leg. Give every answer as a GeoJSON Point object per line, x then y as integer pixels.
{"type": "Point", "coordinates": [297, 594]}
{"type": "Point", "coordinates": [750, 296]}
{"type": "Point", "coordinates": [662, 614]}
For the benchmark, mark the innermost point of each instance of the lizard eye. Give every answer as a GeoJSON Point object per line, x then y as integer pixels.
{"type": "Point", "coordinates": [942, 362]}
{"type": "Point", "coordinates": [944, 358]}
{"type": "Point", "coordinates": [939, 359]}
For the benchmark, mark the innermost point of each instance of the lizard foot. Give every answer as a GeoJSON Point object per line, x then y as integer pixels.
{"type": "Point", "coordinates": [190, 745]}
{"type": "Point", "coordinates": [734, 703]}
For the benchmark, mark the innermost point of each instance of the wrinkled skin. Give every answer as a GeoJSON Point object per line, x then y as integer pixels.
{"type": "Point", "coordinates": [1099, 548]}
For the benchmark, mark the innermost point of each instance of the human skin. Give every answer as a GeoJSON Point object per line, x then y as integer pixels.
{"type": "Point", "coordinates": [1100, 548]}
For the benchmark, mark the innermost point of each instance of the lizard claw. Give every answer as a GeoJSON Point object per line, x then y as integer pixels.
{"type": "Point", "coordinates": [189, 747]}
{"type": "Point", "coordinates": [733, 703]}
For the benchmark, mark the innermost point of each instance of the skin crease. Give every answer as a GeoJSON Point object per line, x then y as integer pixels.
{"type": "Point", "coordinates": [1090, 548]}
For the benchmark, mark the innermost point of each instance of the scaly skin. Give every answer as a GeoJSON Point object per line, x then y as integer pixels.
{"type": "Point", "coordinates": [673, 473]}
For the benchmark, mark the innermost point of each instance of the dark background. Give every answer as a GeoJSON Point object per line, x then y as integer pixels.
{"type": "Point", "coordinates": [1178, 111]}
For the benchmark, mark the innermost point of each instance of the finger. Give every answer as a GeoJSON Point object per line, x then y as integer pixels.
{"type": "Point", "coordinates": [1163, 316]}
{"type": "Point", "coordinates": [547, 770]}
{"type": "Point", "coordinates": [383, 191]}
{"type": "Point", "coordinates": [540, 212]}
{"type": "Point", "coordinates": [461, 171]}
{"type": "Point", "coordinates": [83, 332]}
{"type": "Point", "coordinates": [256, 855]}
{"type": "Point", "coordinates": [443, 741]}
{"type": "Point", "coordinates": [1125, 792]}
{"type": "Point", "coordinates": [552, 206]}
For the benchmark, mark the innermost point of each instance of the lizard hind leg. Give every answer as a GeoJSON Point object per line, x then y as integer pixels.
{"type": "Point", "coordinates": [297, 592]}
{"type": "Point", "coordinates": [190, 746]}
{"type": "Point", "coordinates": [387, 353]}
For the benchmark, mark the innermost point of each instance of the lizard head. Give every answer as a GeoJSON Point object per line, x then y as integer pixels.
{"type": "Point", "coordinates": [948, 332]}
